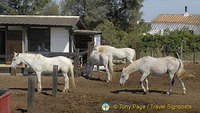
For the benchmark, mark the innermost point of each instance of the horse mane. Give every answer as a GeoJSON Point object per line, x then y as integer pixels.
{"type": "Point", "coordinates": [37, 55]}
{"type": "Point", "coordinates": [102, 48]}
{"type": "Point", "coordinates": [134, 66]}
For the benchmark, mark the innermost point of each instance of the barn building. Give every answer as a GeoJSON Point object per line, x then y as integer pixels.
{"type": "Point", "coordinates": [25, 33]}
{"type": "Point", "coordinates": [175, 21]}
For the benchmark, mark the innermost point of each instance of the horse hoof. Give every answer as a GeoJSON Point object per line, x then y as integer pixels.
{"type": "Point", "coordinates": [184, 93]}
{"type": "Point", "coordinates": [64, 91]}
{"type": "Point", "coordinates": [38, 92]}
{"type": "Point", "coordinates": [147, 90]}
{"type": "Point", "coordinates": [168, 93]}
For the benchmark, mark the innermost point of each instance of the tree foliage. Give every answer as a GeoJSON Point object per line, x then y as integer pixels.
{"type": "Point", "coordinates": [94, 12]}
{"type": "Point", "coordinates": [51, 9]}
{"type": "Point", "coordinates": [116, 18]}
{"type": "Point", "coordinates": [171, 41]}
{"type": "Point", "coordinates": [24, 7]}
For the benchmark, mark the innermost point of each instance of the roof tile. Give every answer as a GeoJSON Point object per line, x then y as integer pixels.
{"type": "Point", "coordinates": [177, 18]}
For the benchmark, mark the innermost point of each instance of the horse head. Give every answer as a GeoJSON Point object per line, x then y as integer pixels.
{"type": "Point", "coordinates": [123, 77]}
{"type": "Point", "coordinates": [95, 48]}
{"type": "Point", "coordinates": [16, 60]}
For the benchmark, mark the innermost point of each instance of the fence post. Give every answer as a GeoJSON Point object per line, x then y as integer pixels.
{"type": "Point", "coordinates": [76, 63]}
{"type": "Point", "coordinates": [137, 50]}
{"type": "Point", "coordinates": [31, 97]}
{"type": "Point", "coordinates": [181, 50]}
{"type": "Point", "coordinates": [55, 80]}
{"type": "Point", "coordinates": [194, 55]}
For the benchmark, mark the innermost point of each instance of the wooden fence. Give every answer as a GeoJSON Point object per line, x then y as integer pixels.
{"type": "Point", "coordinates": [80, 60]}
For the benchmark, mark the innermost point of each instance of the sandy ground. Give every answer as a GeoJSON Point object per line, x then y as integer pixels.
{"type": "Point", "coordinates": [89, 95]}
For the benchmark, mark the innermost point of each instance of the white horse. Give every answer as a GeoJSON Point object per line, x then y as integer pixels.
{"type": "Point", "coordinates": [149, 65]}
{"type": "Point", "coordinates": [41, 64]}
{"type": "Point", "coordinates": [117, 53]}
{"type": "Point", "coordinates": [100, 59]}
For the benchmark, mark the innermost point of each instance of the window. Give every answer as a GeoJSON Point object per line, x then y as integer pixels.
{"type": "Point", "coordinates": [192, 31]}
{"type": "Point", "coordinates": [39, 40]}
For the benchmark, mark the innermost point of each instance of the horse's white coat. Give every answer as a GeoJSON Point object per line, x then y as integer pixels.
{"type": "Point", "coordinates": [159, 66]}
{"type": "Point", "coordinates": [100, 59]}
{"type": "Point", "coordinates": [41, 64]}
{"type": "Point", "coordinates": [117, 53]}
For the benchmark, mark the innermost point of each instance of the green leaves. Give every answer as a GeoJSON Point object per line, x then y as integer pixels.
{"type": "Point", "coordinates": [171, 41]}
{"type": "Point", "coordinates": [24, 7]}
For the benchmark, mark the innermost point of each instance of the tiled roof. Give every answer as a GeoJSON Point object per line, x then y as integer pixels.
{"type": "Point", "coordinates": [39, 20]}
{"type": "Point", "coordinates": [177, 18]}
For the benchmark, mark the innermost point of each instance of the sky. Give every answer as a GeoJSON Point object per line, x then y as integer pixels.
{"type": "Point", "coordinates": [152, 8]}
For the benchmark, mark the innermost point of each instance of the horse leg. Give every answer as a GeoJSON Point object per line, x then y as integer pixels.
{"type": "Point", "coordinates": [107, 74]}
{"type": "Point", "coordinates": [171, 83]}
{"type": "Point", "coordinates": [182, 84]}
{"type": "Point", "coordinates": [98, 72]}
{"type": "Point", "coordinates": [146, 80]}
{"type": "Point", "coordinates": [91, 69]}
{"type": "Point", "coordinates": [144, 76]}
{"type": "Point", "coordinates": [66, 78]}
{"type": "Point", "coordinates": [39, 81]}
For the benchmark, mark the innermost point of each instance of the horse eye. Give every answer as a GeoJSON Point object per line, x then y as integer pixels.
{"type": "Point", "coordinates": [122, 76]}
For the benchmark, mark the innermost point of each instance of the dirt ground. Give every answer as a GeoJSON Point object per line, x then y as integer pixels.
{"type": "Point", "coordinates": [89, 95]}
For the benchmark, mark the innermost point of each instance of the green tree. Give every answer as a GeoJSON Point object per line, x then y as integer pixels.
{"type": "Point", "coordinates": [171, 41]}
{"type": "Point", "coordinates": [25, 7]}
{"type": "Point", "coordinates": [121, 12]}
{"type": "Point", "coordinates": [3, 6]}
{"type": "Point", "coordinates": [93, 12]}
{"type": "Point", "coordinates": [51, 9]}
{"type": "Point", "coordinates": [177, 38]}
{"type": "Point", "coordinates": [116, 18]}
{"type": "Point", "coordinates": [112, 35]}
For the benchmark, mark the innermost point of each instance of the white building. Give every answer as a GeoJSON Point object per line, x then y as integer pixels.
{"type": "Point", "coordinates": [30, 33]}
{"type": "Point", "coordinates": [175, 21]}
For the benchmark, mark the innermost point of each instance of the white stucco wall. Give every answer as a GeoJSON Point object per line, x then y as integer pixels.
{"type": "Point", "coordinates": [97, 39]}
{"type": "Point", "coordinates": [59, 39]}
{"type": "Point", "coordinates": [160, 27]}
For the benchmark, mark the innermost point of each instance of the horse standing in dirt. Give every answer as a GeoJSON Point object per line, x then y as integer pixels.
{"type": "Point", "coordinates": [117, 53]}
{"type": "Point", "coordinates": [41, 64]}
{"type": "Point", "coordinates": [100, 59]}
{"type": "Point", "coordinates": [159, 66]}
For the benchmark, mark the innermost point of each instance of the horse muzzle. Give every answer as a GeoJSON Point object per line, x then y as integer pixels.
{"type": "Point", "coordinates": [121, 84]}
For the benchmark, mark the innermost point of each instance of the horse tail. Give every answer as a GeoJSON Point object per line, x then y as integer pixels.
{"type": "Point", "coordinates": [72, 75]}
{"type": "Point", "coordinates": [134, 55]}
{"type": "Point", "coordinates": [181, 71]}
{"type": "Point", "coordinates": [110, 66]}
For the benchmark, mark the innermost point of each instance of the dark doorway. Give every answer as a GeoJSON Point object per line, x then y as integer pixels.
{"type": "Point", "coordinates": [2, 46]}
{"type": "Point", "coordinates": [13, 43]}
{"type": "Point", "coordinates": [81, 41]}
